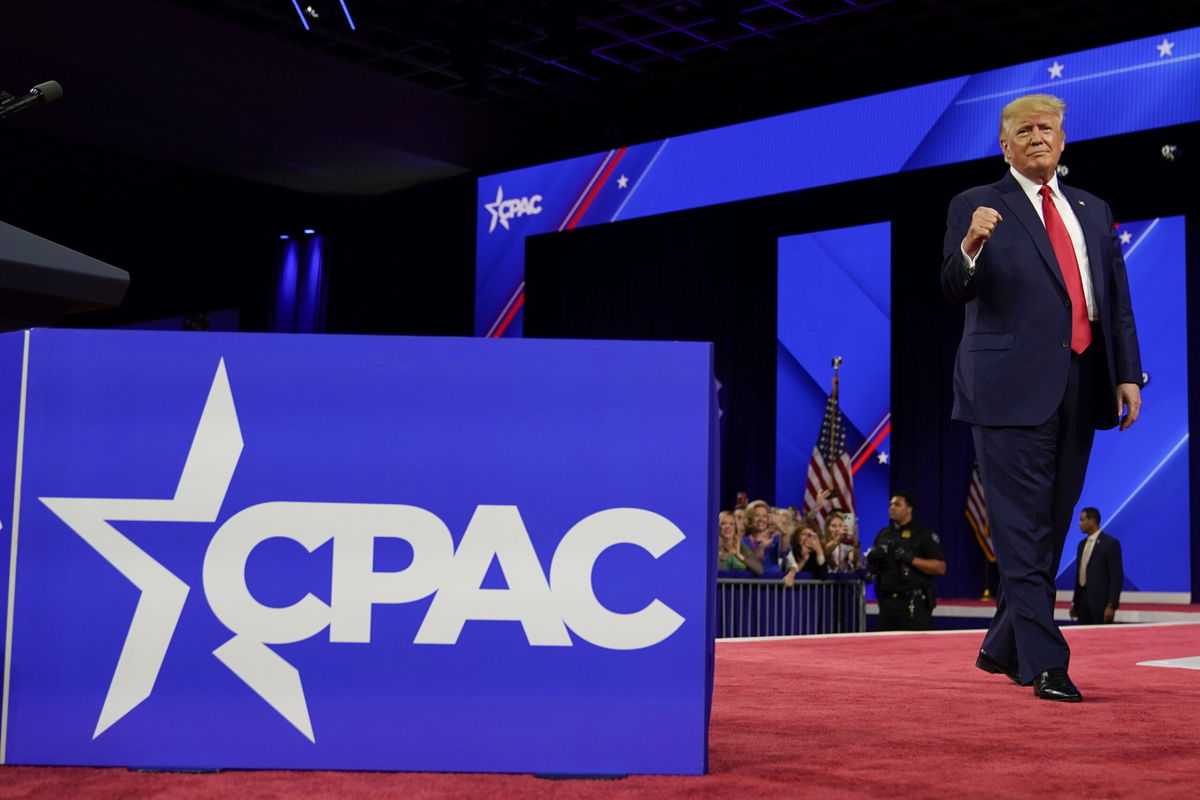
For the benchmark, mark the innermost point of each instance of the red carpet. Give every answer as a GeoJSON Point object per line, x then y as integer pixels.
{"type": "Point", "coordinates": [875, 715]}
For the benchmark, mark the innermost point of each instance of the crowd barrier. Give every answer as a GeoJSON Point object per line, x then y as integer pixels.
{"type": "Point", "coordinates": [766, 607]}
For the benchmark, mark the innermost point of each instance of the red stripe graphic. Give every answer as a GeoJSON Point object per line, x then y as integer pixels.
{"type": "Point", "coordinates": [578, 215]}
{"type": "Point", "coordinates": [583, 207]}
{"type": "Point", "coordinates": [870, 450]}
{"type": "Point", "coordinates": [508, 318]}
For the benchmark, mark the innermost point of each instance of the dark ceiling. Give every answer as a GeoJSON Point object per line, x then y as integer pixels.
{"type": "Point", "coordinates": [363, 97]}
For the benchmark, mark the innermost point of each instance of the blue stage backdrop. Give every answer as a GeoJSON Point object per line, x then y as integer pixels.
{"type": "Point", "coordinates": [954, 120]}
{"type": "Point", "coordinates": [1138, 478]}
{"type": "Point", "coordinates": [339, 552]}
{"type": "Point", "coordinates": [835, 300]}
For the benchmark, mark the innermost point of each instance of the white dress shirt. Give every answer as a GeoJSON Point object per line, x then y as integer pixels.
{"type": "Point", "coordinates": [1074, 230]}
{"type": "Point", "coordinates": [1087, 555]}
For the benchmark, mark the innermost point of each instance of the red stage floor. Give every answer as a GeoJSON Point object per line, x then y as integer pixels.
{"type": "Point", "coordinates": [860, 715]}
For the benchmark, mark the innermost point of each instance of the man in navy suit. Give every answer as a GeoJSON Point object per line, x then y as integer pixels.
{"type": "Point", "coordinates": [1049, 354]}
{"type": "Point", "coordinates": [1099, 574]}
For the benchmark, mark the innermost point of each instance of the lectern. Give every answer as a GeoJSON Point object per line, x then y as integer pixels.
{"type": "Point", "coordinates": [41, 281]}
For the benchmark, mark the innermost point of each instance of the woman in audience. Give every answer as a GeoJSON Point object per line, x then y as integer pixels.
{"type": "Point", "coordinates": [760, 538]}
{"type": "Point", "coordinates": [841, 546]}
{"type": "Point", "coordinates": [779, 521]}
{"type": "Point", "coordinates": [731, 553]}
{"type": "Point", "coordinates": [806, 553]}
{"type": "Point", "coordinates": [786, 525]}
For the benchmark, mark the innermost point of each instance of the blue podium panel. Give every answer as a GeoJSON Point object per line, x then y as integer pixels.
{"type": "Point", "coordinates": [331, 552]}
{"type": "Point", "coordinates": [12, 348]}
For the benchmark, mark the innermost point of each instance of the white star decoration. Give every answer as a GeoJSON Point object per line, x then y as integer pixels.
{"type": "Point", "coordinates": [1055, 70]}
{"type": "Point", "coordinates": [1164, 49]}
{"type": "Point", "coordinates": [622, 182]}
{"type": "Point", "coordinates": [1126, 237]}
{"type": "Point", "coordinates": [883, 457]}
{"type": "Point", "coordinates": [206, 475]}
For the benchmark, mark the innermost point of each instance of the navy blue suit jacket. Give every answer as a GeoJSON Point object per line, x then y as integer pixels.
{"type": "Point", "coordinates": [1105, 573]}
{"type": "Point", "coordinates": [1015, 353]}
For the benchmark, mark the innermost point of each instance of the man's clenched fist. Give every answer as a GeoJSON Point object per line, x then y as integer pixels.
{"type": "Point", "coordinates": [983, 222]}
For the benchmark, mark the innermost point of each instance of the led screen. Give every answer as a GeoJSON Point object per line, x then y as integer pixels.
{"type": "Point", "coordinates": [835, 299]}
{"type": "Point", "coordinates": [1138, 479]}
{"type": "Point", "coordinates": [1157, 80]}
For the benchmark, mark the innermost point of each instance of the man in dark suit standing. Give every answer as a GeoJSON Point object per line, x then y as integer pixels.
{"type": "Point", "coordinates": [1099, 575]}
{"type": "Point", "coordinates": [1049, 354]}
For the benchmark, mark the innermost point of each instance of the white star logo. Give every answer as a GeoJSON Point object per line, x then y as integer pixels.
{"type": "Point", "coordinates": [1164, 48]}
{"type": "Point", "coordinates": [207, 472]}
{"type": "Point", "coordinates": [883, 457]}
{"type": "Point", "coordinates": [494, 209]}
{"type": "Point", "coordinates": [1126, 237]}
{"type": "Point", "coordinates": [622, 182]}
{"type": "Point", "coordinates": [1055, 70]}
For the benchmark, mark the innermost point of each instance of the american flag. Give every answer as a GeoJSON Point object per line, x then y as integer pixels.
{"type": "Point", "coordinates": [829, 467]}
{"type": "Point", "coordinates": [976, 514]}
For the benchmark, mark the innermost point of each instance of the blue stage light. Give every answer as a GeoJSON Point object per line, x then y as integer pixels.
{"type": "Point", "coordinates": [300, 14]}
{"type": "Point", "coordinates": [346, 11]}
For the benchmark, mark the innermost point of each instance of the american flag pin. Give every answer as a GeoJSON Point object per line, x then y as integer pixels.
{"type": "Point", "coordinates": [1080, 202]}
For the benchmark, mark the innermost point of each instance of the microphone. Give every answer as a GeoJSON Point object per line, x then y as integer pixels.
{"type": "Point", "coordinates": [43, 93]}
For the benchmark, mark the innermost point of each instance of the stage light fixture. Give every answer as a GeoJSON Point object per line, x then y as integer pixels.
{"type": "Point", "coordinates": [284, 236]}
{"type": "Point", "coordinates": [1063, 170]}
{"type": "Point", "coordinates": [1170, 152]}
{"type": "Point", "coordinates": [312, 12]}
{"type": "Point", "coordinates": [310, 231]}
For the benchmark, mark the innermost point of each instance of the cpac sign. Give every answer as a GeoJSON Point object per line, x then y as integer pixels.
{"type": "Point", "coordinates": [495, 532]}
{"type": "Point", "coordinates": [158, 607]}
{"type": "Point", "coordinates": [503, 210]}
{"type": "Point", "coordinates": [544, 609]}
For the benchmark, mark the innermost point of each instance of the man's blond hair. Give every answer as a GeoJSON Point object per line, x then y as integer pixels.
{"type": "Point", "coordinates": [1031, 103]}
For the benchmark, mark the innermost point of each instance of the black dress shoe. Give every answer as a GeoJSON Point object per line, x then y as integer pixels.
{"type": "Point", "coordinates": [1053, 684]}
{"type": "Point", "coordinates": [989, 664]}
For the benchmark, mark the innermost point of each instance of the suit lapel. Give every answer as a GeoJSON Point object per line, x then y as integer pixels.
{"type": "Point", "coordinates": [1091, 238]}
{"type": "Point", "coordinates": [1018, 204]}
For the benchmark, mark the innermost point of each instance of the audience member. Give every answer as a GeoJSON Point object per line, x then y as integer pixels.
{"type": "Point", "coordinates": [842, 548]}
{"type": "Point", "coordinates": [806, 554]}
{"type": "Point", "coordinates": [787, 529]}
{"type": "Point", "coordinates": [779, 520]}
{"type": "Point", "coordinates": [739, 517]}
{"type": "Point", "coordinates": [760, 538]}
{"type": "Point", "coordinates": [731, 553]}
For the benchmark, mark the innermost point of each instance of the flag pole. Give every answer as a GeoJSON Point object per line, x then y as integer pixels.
{"type": "Point", "coordinates": [837, 364]}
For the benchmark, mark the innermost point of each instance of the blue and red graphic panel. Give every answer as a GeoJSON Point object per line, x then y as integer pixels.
{"type": "Point", "coordinates": [1139, 478]}
{"type": "Point", "coordinates": [1111, 90]}
{"type": "Point", "coordinates": [835, 299]}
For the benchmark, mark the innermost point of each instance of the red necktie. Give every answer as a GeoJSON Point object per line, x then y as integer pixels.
{"type": "Point", "coordinates": [1064, 251]}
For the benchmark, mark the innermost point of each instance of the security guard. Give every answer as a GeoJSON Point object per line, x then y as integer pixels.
{"type": "Point", "coordinates": [903, 560]}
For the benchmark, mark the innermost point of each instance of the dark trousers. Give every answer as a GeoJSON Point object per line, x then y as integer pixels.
{"type": "Point", "coordinates": [1032, 478]}
{"type": "Point", "coordinates": [1085, 614]}
{"type": "Point", "coordinates": [895, 614]}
